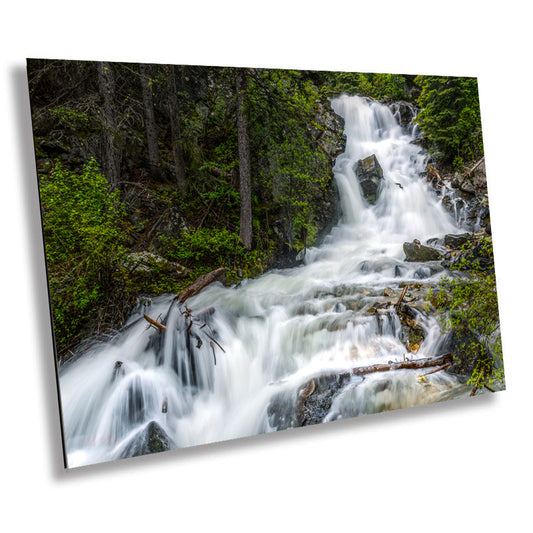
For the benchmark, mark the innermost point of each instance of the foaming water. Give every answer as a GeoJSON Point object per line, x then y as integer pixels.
{"type": "Point", "coordinates": [278, 330]}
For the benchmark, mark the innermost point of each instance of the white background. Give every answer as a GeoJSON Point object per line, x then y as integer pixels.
{"type": "Point", "coordinates": [462, 466]}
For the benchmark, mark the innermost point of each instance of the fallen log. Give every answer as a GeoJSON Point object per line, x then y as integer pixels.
{"type": "Point", "coordinates": [438, 369]}
{"type": "Point", "coordinates": [202, 282]}
{"type": "Point", "coordinates": [316, 397]}
{"type": "Point", "coordinates": [413, 364]}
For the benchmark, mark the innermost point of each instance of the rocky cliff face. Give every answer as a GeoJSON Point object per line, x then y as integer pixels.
{"type": "Point", "coordinates": [464, 195]}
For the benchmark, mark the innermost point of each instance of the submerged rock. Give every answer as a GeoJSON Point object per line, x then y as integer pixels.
{"type": "Point", "coordinates": [370, 175]}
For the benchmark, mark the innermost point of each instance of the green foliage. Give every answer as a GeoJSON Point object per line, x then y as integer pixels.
{"type": "Point", "coordinates": [376, 86]}
{"type": "Point", "coordinates": [84, 240]}
{"type": "Point", "coordinates": [207, 248]}
{"type": "Point", "coordinates": [293, 174]}
{"type": "Point", "coordinates": [450, 118]}
{"type": "Point", "coordinates": [72, 118]}
{"type": "Point", "coordinates": [470, 308]}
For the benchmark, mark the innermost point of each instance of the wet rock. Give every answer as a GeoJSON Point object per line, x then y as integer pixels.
{"type": "Point", "coordinates": [389, 293]}
{"type": "Point", "coordinates": [364, 266]}
{"type": "Point", "coordinates": [456, 241]}
{"type": "Point", "coordinates": [477, 256]}
{"type": "Point", "coordinates": [467, 349]}
{"type": "Point", "coordinates": [316, 396]}
{"type": "Point", "coordinates": [433, 177]}
{"type": "Point", "coordinates": [467, 186]}
{"type": "Point", "coordinates": [330, 131]}
{"type": "Point", "coordinates": [412, 333]}
{"type": "Point", "coordinates": [398, 271]}
{"type": "Point", "coordinates": [404, 112]}
{"type": "Point", "coordinates": [282, 411]}
{"type": "Point", "coordinates": [416, 252]}
{"type": "Point", "coordinates": [153, 439]}
{"type": "Point", "coordinates": [338, 323]}
{"type": "Point", "coordinates": [422, 273]}
{"type": "Point", "coordinates": [434, 242]}
{"type": "Point", "coordinates": [370, 175]}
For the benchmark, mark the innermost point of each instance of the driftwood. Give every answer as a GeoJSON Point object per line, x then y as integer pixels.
{"type": "Point", "coordinates": [201, 283]}
{"type": "Point", "coordinates": [413, 364]}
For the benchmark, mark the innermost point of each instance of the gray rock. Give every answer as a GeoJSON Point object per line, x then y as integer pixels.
{"type": "Point", "coordinates": [153, 439]}
{"type": "Point", "coordinates": [456, 241]}
{"type": "Point", "coordinates": [147, 262]}
{"type": "Point", "coordinates": [416, 252]}
{"type": "Point", "coordinates": [370, 175]}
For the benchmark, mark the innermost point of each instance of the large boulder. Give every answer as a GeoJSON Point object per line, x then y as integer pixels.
{"type": "Point", "coordinates": [149, 263]}
{"type": "Point", "coordinates": [416, 252]}
{"type": "Point", "coordinates": [370, 175]}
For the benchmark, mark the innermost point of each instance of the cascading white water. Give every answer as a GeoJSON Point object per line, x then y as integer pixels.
{"type": "Point", "coordinates": [277, 330]}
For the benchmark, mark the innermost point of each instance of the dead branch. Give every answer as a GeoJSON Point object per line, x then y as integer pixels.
{"type": "Point", "coordinates": [213, 348]}
{"type": "Point", "coordinates": [202, 282]}
{"type": "Point", "coordinates": [397, 305]}
{"type": "Point", "coordinates": [479, 383]}
{"type": "Point", "coordinates": [155, 323]}
{"type": "Point", "coordinates": [469, 173]}
{"type": "Point", "coordinates": [207, 335]}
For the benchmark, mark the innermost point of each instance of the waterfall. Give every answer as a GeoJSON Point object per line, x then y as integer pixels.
{"type": "Point", "coordinates": [278, 331]}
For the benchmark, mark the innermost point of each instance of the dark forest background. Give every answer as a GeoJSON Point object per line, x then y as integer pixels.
{"type": "Point", "coordinates": [151, 175]}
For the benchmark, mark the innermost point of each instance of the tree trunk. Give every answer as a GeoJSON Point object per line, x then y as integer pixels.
{"type": "Point", "coordinates": [177, 148]}
{"type": "Point", "coordinates": [244, 162]}
{"type": "Point", "coordinates": [106, 87]}
{"type": "Point", "coordinates": [149, 121]}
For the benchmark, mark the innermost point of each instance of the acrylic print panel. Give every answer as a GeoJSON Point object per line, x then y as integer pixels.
{"type": "Point", "coordinates": [238, 251]}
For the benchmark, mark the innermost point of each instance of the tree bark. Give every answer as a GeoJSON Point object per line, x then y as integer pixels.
{"type": "Point", "coordinates": [201, 283]}
{"type": "Point", "coordinates": [149, 120]}
{"type": "Point", "coordinates": [414, 364]}
{"type": "Point", "coordinates": [177, 148]}
{"type": "Point", "coordinates": [244, 162]}
{"type": "Point", "coordinates": [106, 87]}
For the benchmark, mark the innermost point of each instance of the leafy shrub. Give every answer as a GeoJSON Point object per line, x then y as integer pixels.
{"type": "Point", "coordinates": [209, 248]}
{"type": "Point", "coordinates": [470, 306]}
{"type": "Point", "coordinates": [83, 243]}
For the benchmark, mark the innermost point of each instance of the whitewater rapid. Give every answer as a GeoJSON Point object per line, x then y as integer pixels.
{"type": "Point", "coordinates": [278, 330]}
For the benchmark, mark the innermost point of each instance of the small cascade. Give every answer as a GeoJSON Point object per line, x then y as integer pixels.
{"type": "Point", "coordinates": [283, 334]}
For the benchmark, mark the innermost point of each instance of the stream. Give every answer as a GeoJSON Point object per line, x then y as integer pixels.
{"type": "Point", "coordinates": [147, 391]}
